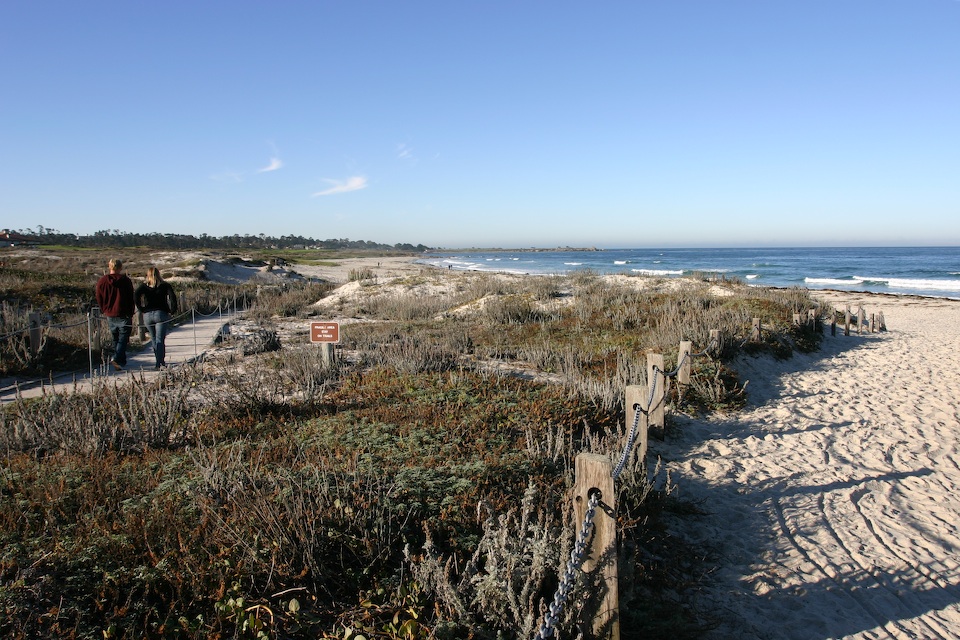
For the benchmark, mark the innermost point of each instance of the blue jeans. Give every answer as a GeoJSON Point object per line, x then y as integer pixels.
{"type": "Point", "coordinates": [158, 325]}
{"type": "Point", "coordinates": [120, 330]}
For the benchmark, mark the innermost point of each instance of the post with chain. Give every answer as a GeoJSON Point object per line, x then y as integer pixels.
{"type": "Point", "coordinates": [656, 387]}
{"type": "Point", "coordinates": [861, 316]}
{"type": "Point", "coordinates": [846, 321]}
{"type": "Point", "coordinates": [635, 399]}
{"type": "Point", "coordinates": [683, 362]}
{"type": "Point", "coordinates": [35, 333]}
{"type": "Point", "coordinates": [594, 473]}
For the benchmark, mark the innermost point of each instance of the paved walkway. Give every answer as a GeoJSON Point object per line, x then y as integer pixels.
{"type": "Point", "coordinates": [185, 343]}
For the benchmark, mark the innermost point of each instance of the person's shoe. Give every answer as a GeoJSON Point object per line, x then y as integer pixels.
{"type": "Point", "coordinates": [116, 365]}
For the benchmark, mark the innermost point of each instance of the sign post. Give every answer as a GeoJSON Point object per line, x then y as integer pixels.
{"type": "Point", "coordinates": [326, 334]}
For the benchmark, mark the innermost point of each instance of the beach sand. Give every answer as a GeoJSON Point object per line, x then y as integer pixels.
{"type": "Point", "coordinates": [831, 501]}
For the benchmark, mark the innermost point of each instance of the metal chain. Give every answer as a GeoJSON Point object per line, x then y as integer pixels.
{"type": "Point", "coordinates": [552, 616]}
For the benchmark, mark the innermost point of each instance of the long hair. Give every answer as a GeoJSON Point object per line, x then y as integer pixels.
{"type": "Point", "coordinates": [154, 279]}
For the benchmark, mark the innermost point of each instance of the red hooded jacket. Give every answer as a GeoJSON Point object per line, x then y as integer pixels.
{"type": "Point", "coordinates": [115, 295]}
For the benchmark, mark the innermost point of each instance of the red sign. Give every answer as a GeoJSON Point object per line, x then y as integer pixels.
{"type": "Point", "coordinates": [324, 332]}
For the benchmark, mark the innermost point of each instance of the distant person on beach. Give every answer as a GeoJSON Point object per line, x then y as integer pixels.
{"type": "Point", "coordinates": [156, 299]}
{"type": "Point", "coordinates": [114, 294]}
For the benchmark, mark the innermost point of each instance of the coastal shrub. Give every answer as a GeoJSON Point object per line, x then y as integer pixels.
{"type": "Point", "coordinates": [113, 418]}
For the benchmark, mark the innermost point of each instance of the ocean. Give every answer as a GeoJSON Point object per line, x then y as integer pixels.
{"type": "Point", "coordinates": [920, 271]}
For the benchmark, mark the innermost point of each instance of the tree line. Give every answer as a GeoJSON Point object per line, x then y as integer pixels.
{"type": "Point", "coordinates": [114, 238]}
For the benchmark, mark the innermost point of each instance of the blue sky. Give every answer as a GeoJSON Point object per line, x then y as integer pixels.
{"type": "Point", "coordinates": [513, 124]}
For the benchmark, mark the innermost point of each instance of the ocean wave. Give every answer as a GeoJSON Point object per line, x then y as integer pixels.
{"type": "Point", "coordinates": [753, 276]}
{"type": "Point", "coordinates": [658, 272]}
{"type": "Point", "coordinates": [620, 261]}
{"type": "Point", "coordinates": [573, 264]}
{"type": "Point", "coordinates": [834, 281]}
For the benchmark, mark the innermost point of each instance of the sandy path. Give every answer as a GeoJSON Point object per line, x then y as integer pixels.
{"type": "Point", "coordinates": [832, 499]}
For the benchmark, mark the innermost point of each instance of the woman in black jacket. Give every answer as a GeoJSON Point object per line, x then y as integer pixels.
{"type": "Point", "coordinates": [156, 299]}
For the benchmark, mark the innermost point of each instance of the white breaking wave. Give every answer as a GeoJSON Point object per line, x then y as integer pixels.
{"type": "Point", "coordinates": [658, 272]}
{"type": "Point", "coordinates": [753, 276]}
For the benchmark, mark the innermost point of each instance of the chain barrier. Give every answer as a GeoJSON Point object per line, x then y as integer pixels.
{"type": "Point", "coordinates": [568, 581]}
{"type": "Point", "coordinates": [577, 555]}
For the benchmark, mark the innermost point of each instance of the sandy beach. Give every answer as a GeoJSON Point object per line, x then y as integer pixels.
{"type": "Point", "coordinates": [831, 501]}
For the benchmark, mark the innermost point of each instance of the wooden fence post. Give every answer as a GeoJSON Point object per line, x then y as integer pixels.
{"type": "Point", "coordinates": [36, 333]}
{"type": "Point", "coordinates": [683, 362]}
{"type": "Point", "coordinates": [846, 322]}
{"type": "Point", "coordinates": [634, 396]}
{"type": "Point", "coordinates": [796, 319]}
{"type": "Point", "coordinates": [860, 314]}
{"type": "Point", "coordinates": [658, 382]}
{"type": "Point", "coordinates": [141, 328]}
{"type": "Point", "coordinates": [715, 340]}
{"type": "Point", "coordinates": [756, 335]}
{"type": "Point", "coordinates": [812, 318]}
{"type": "Point", "coordinates": [873, 323]}
{"type": "Point", "coordinates": [595, 473]}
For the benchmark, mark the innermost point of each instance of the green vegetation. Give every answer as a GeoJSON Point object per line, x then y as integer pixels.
{"type": "Point", "coordinates": [417, 488]}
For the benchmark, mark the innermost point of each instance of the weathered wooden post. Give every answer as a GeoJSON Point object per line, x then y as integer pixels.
{"type": "Point", "coordinates": [683, 362]}
{"type": "Point", "coordinates": [860, 317]}
{"type": "Point", "coordinates": [873, 323]}
{"type": "Point", "coordinates": [35, 333]}
{"type": "Point", "coordinates": [141, 328]}
{"type": "Point", "coordinates": [327, 354]}
{"type": "Point", "coordinates": [657, 381]}
{"type": "Point", "coordinates": [846, 322]}
{"type": "Point", "coordinates": [796, 319]}
{"type": "Point", "coordinates": [715, 340]}
{"type": "Point", "coordinates": [635, 400]}
{"type": "Point", "coordinates": [812, 318]}
{"type": "Point", "coordinates": [595, 473]}
{"type": "Point", "coordinates": [756, 335]}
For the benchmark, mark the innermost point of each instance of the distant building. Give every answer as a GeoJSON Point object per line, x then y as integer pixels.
{"type": "Point", "coordinates": [13, 239]}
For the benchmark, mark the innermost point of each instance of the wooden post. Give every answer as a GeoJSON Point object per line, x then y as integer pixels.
{"type": "Point", "coordinates": [141, 328]}
{"type": "Point", "coordinates": [327, 354]}
{"type": "Point", "coordinates": [595, 473]}
{"type": "Point", "coordinates": [796, 319]}
{"type": "Point", "coordinates": [635, 396]}
{"type": "Point", "coordinates": [812, 318]}
{"type": "Point", "coordinates": [833, 324]}
{"type": "Point", "coordinates": [846, 322]}
{"type": "Point", "coordinates": [873, 323]}
{"type": "Point", "coordinates": [36, 333]}
{"type": "Point", "coordinates": [657, 381]}
{"type": "Point", "coordinates": [95, 344]}
{"type": "Point", "coordinates": [882, 323]}
{"type": "Point", "coordinates": [683, 362]}
{"type": "Point", "coordinates": [715, 340]}
{"type": "Point", "coordinates": [860, 314]}
{"type": "Point", "coordinates": [755, 337]}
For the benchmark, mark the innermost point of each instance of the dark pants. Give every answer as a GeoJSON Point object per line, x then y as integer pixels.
{"type": "Point", "coordinates": [120, 330]}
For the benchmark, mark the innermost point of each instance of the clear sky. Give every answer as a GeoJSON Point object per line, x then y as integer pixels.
{"type": "Point", "coordinates": [515, 124]}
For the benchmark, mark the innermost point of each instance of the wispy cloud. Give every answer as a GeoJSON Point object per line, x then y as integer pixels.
{"type": "Point", "coordinates": [405, 152]}
{"type": "Point", "coordinates": [354, 183]}
{"type": "Point", "coordinates": [275, 163]}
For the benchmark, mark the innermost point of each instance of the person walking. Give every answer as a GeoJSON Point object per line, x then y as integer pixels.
{"type": "Point", "coordinates": [156, 299]}
{"type": "Point", "coordinates": [114, 295]}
